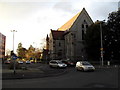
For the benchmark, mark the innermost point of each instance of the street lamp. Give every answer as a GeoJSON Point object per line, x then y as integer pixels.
{"type": "Point", "coordinates": [13, 47]}
{"type": "Point", "coordinates": [101, 49]}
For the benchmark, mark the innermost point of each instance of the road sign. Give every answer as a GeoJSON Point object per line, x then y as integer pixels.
{"type": "Point", "coordinates": [101, 49]}
{"type": "Point", "coordinates": [14, 57]}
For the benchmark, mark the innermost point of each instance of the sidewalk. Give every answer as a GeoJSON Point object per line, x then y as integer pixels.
{"type": "Point", "coordinates": [31, 73]}
{"type": "Point", "coordinates": [107, 66]}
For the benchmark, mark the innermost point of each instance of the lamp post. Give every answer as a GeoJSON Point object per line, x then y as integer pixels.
{"type": "Point", "coordinates": [13, 48]}
{"type": "Point", "coordinates": [101, 49]}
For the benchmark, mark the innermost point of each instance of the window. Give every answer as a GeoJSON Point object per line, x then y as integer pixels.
{"type": "Point", "coordinates": [59, 54]}
{"type": "Point", "coordinates": [86, 26]}
{"type": "Point", "coordinates": [84, 21]}
{"type": "Point", "coordinates": [74, 36]}
{"type": "Point", "coordinates": [59, 44]}
{"type": "Point", "coordinates": [82, 25]}
{"type": "Point", "coordinates": [82, 34]}
{"type": "Point", "coordinates": [72, 42]}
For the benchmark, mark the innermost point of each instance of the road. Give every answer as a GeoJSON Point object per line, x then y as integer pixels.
{"type": "Point", "coordinates": [101, 78]}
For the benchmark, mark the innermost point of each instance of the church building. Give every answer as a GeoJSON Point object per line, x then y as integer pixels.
{"type": "Point", "coordinates": [68, 41]}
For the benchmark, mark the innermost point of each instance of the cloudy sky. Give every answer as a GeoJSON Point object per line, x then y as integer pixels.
{"type": "Point", "coordinates": [33, 19]}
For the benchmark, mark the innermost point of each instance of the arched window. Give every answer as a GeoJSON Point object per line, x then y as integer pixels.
{"type": "Point", "coordinates": [82, 26]}
{"type": "Point", "coordinates": [59, 44]}
{"type": "Point", "coordinates": [83, 34]}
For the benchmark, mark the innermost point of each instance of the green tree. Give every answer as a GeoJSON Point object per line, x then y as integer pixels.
{"type": "Point", "coordinates": [92, 40]}
{"type": "Point", "coordinates": [30, 52]}
{"type": "Point", "coordinates": [21, 51]}
{"type": "Point", "coordinates": [112, 38]}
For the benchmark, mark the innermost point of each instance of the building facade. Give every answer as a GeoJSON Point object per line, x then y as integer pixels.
{"type": "Point", "coordinates": [2, 46]}
{"type": "Point", "coordinates": [68, 41]}
{"type": "Point", "coordinates": [56, 44]}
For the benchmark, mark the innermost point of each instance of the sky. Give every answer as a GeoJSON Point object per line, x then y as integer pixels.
{"type": "Point", "coordinates": [33, 19]}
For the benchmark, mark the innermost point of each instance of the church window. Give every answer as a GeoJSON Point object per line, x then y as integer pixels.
{"type": "Point", "coordinates": [59, 44]}
{"type": "Point", "coordinates": [83, 34]}
{"type": "Point", "coordinates": [86, 26]}
{"type": "Point", "coordinates": [72, 42]}
{"type": "Point", "coordinates": [84, 21]}
{"type": "Point", "coordinates": [82, 25]}
{"type": "Point", "coordinates": [74, 36]}
{"type": "Point", "coordinates": [59, 54]}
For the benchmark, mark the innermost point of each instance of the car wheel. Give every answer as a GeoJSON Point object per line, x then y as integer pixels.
{"type": "Point", "coordinates": [81, 69]}
{"type": "Point", "coordinates": [77, 69]}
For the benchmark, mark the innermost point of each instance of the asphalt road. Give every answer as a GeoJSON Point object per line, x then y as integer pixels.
{"type": "Point", "coordinates": [101, 78]}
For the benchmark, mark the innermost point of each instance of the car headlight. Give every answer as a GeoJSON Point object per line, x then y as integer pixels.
{"type": "Point", "coordinates": [60, 65]}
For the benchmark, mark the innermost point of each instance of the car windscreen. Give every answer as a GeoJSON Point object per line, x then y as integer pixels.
{"type": "Point", "coordinates": [86, 63]}
{"type": "Point", "coordinates": [60, 62]}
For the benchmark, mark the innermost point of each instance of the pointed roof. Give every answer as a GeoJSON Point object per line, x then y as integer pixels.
{"type": "Point", "coordinates": [47, 38]}
{"type": "Point", "coordinates": [69, 24]}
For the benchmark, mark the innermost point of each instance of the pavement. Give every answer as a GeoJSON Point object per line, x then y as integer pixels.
{"type": "Point", "coordinates": [39, 72]}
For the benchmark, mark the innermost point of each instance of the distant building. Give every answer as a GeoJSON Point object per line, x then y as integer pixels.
{"type": "Point", "coordinates": [45, 52]}
{"type": "Point", "coordinates": [57, 44]}
{"type": "Point", "coordinates": [68, 41]}
{"type": "Point", "coordinates": [2, 46]}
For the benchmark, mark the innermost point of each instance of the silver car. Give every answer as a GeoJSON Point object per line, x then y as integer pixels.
{"type": "Point", "coordinates": [20, 62]}
{"type": "Point", "coordinates": [84, 66]}
{"type": "Point", "coordinates": [28, 62]}
{"type": "Point", "coordinates": [57, 63]}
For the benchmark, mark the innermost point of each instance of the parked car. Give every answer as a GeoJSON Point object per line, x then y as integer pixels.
{"type": "Point", "coordinates": [20, 62]}
{"type": "Point", "coordinates": [7, 62]}
{"type": "Point", "coordinates": [57, 63]}
{"type": "Point", "coordinates": [84, 66]}
{"type": "Point", "coordinates": [32, 61]}
{"type": "Point", "coordinates": [28, 62]}
{"type": "Point", "coordinates": [68, 62]}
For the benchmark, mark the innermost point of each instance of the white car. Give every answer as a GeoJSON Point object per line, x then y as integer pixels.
{"type": "Point", "coordinates": [7, 62]}
{"type": "Point", "coordinates": [20, 62]}
{"type": "Point", "coordinates": [28, 62]}
{"type": "Point", "coordinates": [57, 63]}
{"type": "Point", "coordinates": [84, 66]}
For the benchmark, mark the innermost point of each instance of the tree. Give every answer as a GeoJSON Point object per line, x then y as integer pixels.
{"type": "Point", "coordinates": [112, 42]}
{"type": "Point", "coordinates": [92, 40]}
{"type": "Point", "coordinates": [30, 52]}
{"type": "Point", "coordinates": [111, 38]}
{"type": "Point", "coordinates": [21, 51]}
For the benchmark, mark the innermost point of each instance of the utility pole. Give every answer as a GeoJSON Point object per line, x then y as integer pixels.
{"type": "Point", "coordinates": [13, 48]}
{"type": "Point", "coordinates": [101, 49]}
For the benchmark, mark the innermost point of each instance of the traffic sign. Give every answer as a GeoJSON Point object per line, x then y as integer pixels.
{"type": "Point", "coordinates": [14, 57]}
{"type": "Point", "coordinates": [101, 49]}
